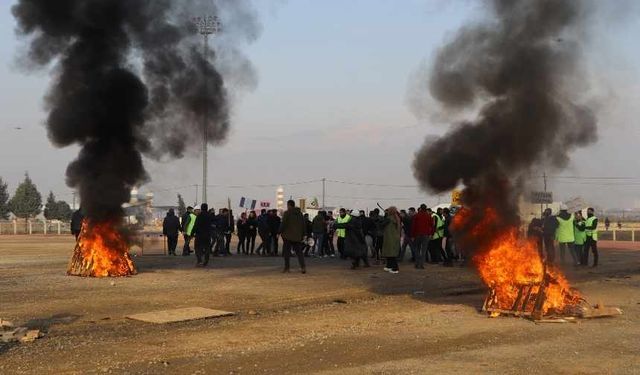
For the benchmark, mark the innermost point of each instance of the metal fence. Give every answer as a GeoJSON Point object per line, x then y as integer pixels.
{"type": "Point", "coordinates": [21, 226]}
{"type": "Point", "coordinates": [628, 235]}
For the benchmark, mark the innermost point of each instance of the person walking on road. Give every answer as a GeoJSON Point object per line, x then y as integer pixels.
{"type": "Point", "coordinates": [319, 231]}
{"type": "Point", "coordinates": [188, 220]}
{"type": "Point", "coordinates": [242, 227]}
{"type": "Point", "coordinates": [591, 243]}
{"type": "Point", "coordinates": [407, 218]}
{"type": "Point", "coordinates": [171, 229]}
{"type": "Point", "coordinates": [202, 232]}
{"type": "Point", "coordinates": [580, 235]}
{"type": "Point", "coordinates": [392, 226]}
{"type": "Point", "coordinates": [565, 234]}
{"type": "Point", "coordinates": [355, 246]}
{"type": "Point", "coordinates": [343, 218]}
{"type": "Point", "coordinates": [292, 230]}
{"type": "Point", "coordinates": [422, 229]}
{"type": "Point", "coordinates": [252, 231]}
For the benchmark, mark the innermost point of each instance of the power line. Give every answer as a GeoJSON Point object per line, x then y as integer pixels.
{"type": "Point", "coordinates": [593, 177]}
{"type": "Point", "coordinates": [377, 198]}
{"type": "Point", "coordinates": [373, 185]}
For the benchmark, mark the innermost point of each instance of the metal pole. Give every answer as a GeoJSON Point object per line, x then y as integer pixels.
{"type": "Point", "coordinates": [206, 26]}
{"type": "Point", "coordinates": [204, 124]}
{"type": "Point", "coordinates": [323, 189]}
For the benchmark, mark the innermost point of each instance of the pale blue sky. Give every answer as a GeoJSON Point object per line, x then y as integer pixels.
{"type": "Point", "coordinates": [331, 102]}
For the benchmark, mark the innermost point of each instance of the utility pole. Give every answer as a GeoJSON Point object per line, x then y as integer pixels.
{"type": "Point", "coordinates": [324, 180]}
{"type": "Point", "coordinates": [208, 25]}
{"type": "Point", "coordinates": [74, 200]}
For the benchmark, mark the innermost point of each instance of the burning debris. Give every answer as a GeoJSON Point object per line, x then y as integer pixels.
{"type": "Point", "coordinates": [521, 69]}
{"type": "Point", "coordinates": [101, 251]}
{"type": "Point", "coordinates": [130, 78]}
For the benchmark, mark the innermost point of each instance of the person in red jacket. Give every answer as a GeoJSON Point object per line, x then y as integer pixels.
{"type": "Point", "coordinates": [422, 229]}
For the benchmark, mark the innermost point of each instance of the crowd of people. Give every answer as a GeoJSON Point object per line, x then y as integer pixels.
{"type": "Point", "coordinates": [575, 235]}
{"type": "Point", "coordinates": [382, 237]}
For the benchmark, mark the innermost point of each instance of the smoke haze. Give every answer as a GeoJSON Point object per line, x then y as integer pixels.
{"type": "Point", "coordinates": [130, 78]}
{"type": "Point", "coordinates": [521, 68]}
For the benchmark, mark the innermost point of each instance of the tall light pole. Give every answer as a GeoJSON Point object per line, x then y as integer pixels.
{"type": "Point", "coordinates": [208, 25]}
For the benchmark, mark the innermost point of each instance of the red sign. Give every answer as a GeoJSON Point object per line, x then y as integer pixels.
{"type": "Point", "coordinates": [264, 204]}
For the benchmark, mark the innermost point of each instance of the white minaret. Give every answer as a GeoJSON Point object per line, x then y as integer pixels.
{"type": "Point", "coordinates": [134, 196]}
{"type": "Point", "coordinates": [280, 198]}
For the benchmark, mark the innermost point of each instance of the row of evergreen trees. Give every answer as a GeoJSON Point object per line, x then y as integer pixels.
{"type": "Point", "coordinates": [27, 202]}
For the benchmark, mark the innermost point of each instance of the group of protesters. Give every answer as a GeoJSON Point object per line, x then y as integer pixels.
{"type": "Point", "coordinates": [575, 235]}
{"type": "Point", "coordinates": [380, 236]}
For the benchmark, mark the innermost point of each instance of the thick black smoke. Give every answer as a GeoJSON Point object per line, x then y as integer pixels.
{"type": "Point", "coordinates": [521, 67]}
{"type": "Point", "coordinates": [131, 79]}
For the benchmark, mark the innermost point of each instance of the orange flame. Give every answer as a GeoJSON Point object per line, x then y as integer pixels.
{"type": "Point", "coordinates": [508, 262]}
{"type": "Point", "coordinates": [101, 251]}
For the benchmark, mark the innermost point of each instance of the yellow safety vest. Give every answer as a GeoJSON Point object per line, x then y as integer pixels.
{"type": "Point", "coordinates": [439, 223]}
{"type": "Point", "coordinates": [341, 232]}
{"type": "Point", "coordinates": [564, 233]}
{"type": "Point", "coordinates": [593, 233]}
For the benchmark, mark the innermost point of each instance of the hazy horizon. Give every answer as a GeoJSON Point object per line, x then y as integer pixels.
{"type": "Point", "coordinates": [331, 102]}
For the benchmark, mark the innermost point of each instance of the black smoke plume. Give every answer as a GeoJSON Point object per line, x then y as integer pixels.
{"type": "Point", "coordinates": [130, 78]}
{"type": "Point", "coordinates": [521, 68]}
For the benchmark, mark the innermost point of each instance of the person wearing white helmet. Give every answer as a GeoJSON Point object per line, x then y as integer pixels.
{"type": "Point", "coordinates": [565, 234]}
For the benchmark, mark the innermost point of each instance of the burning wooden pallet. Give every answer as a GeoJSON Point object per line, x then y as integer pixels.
{"type": "Point", "coordinates": [101, 251]}
{"type": "Point", "coordinates": [530, 299]}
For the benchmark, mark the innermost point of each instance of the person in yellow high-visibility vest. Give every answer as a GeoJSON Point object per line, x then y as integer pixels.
{"type": "Point", "coordinates": [343, 218]}
{"type": "Point", "coordinates": [564, 234]}
{"type": "Point", "coordinates": [591, 243]}
{"type": "Point", "coordinates": [435, 244]}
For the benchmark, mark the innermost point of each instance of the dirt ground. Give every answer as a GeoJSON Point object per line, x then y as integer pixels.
{"type": "Point", "coordinates": [331, 320]}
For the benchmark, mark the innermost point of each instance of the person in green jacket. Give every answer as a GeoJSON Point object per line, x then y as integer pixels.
{"type": "Point", "coordinates": [391, 243]}
{"type": "Point", "coordinates": [580, 234]}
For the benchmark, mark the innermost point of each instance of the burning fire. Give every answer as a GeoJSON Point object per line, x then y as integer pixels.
{"type": "Point", "coordinates": [101, 251]}
{"type": "Point", "coordinates": [517, 275]}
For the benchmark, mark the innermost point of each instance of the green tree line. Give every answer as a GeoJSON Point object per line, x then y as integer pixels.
{"type": "Point", "coordinates": [26, 202]}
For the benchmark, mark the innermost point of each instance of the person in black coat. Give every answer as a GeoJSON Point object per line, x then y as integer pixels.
{"type": "Point", "coordinates": [76, 222]}
{"type": "Point", "coordinates": [274, 228]}
{"type": "Point", "coordinates": [202, 232]}
{"type": "Point", "coordinates": [264, 233]}
{"type": "Point", "coordinates": [252, 231]}
{"type": "Point", "coordinates": [355, 246]}
{"type": "Point", "coordinates": [242, 226]}
{"type": "Point", "coordinates": [171, 228]}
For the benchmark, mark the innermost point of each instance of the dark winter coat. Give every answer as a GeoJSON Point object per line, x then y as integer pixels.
{"type": "Point", "coordinates": [171, 225]}
{"type": "Point", "coordinates": [202, 227]}
{"type": "Point", "coordinates": [354, 244]}
{"type": "Point", "coordinates": [252, 226]}
{"type": "Point", "coordinates": [293, 225]}
{"type": "Point", "coordinates": [76, 222]}
{"type": "Point", "coordinates": [274, 222]}
{"type": "Point", "coordinates": [243, 227]}
{"type": "Point", "coordinates": [319, 225]}
{"type": "Point", "coordinates": [549, 226]}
